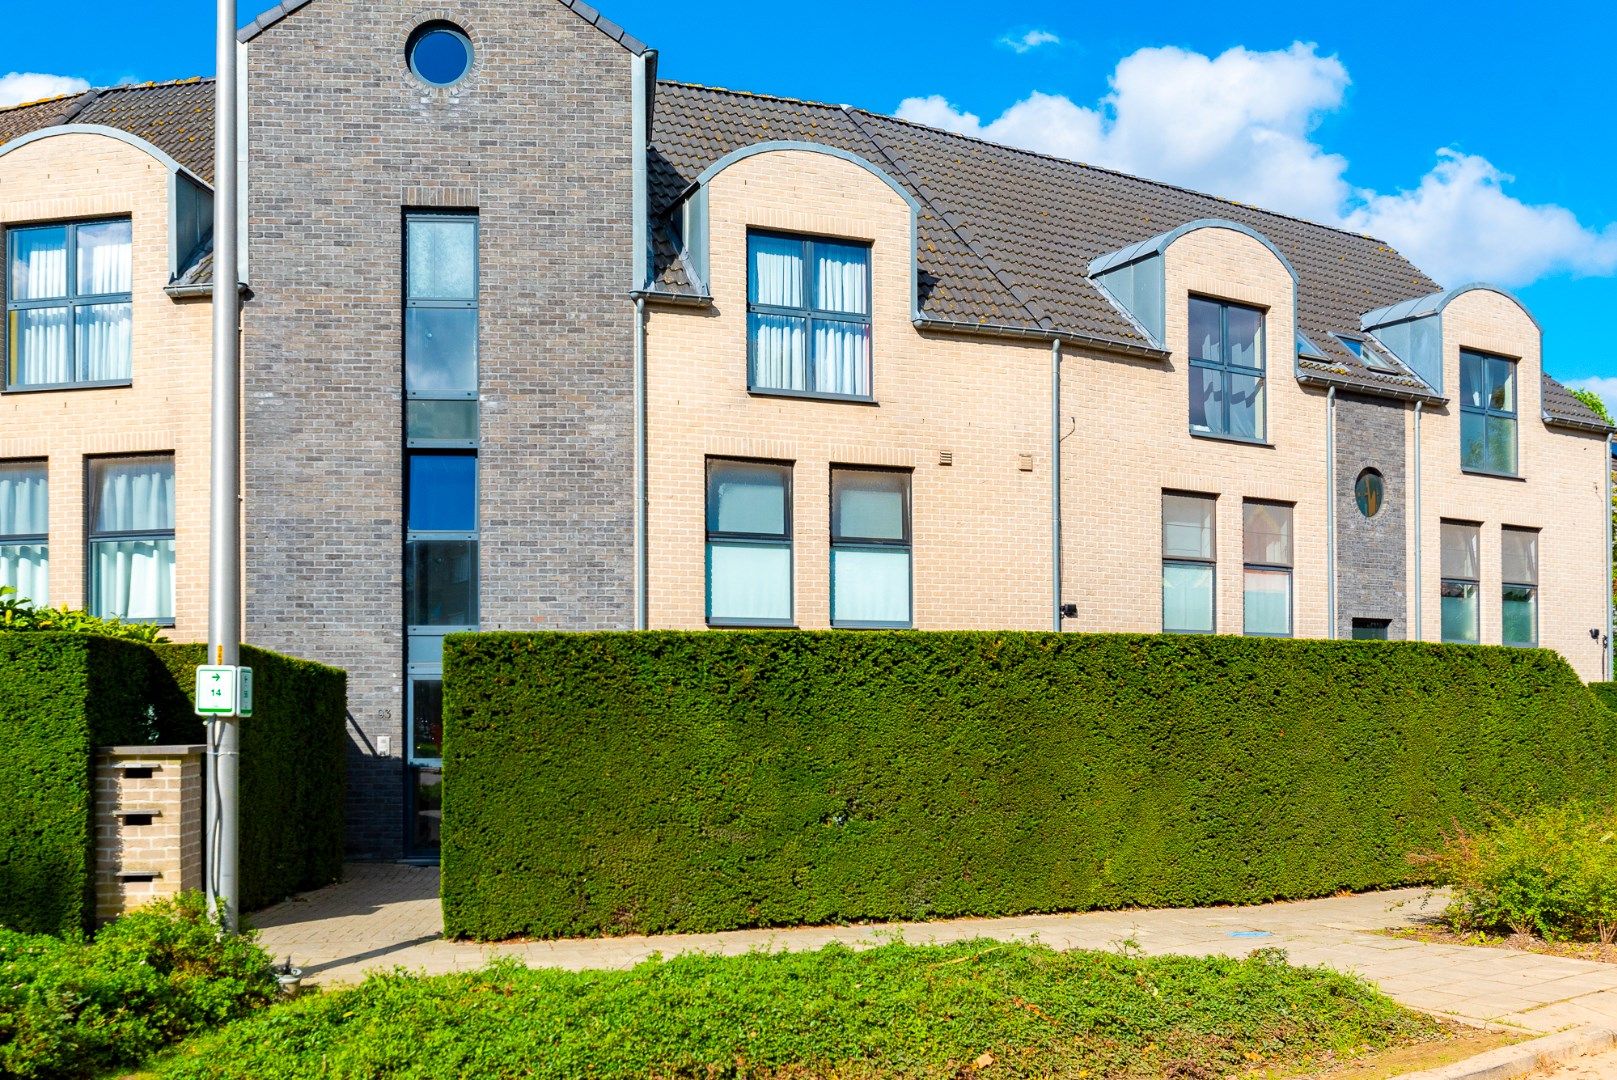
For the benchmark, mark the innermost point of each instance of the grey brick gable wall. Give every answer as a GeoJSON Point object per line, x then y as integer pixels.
{"type": "Point", "coordinates": [342, 138]}
{"type": "Point", "coordinates": [1371, 553]}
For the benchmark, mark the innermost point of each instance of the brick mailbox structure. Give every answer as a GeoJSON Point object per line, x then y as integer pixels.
{"type": "Point", "coordinates": [148, 825]}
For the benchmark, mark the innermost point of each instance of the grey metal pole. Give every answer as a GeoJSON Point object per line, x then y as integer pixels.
{"type": "Point", "coordinates": [1055, 484]}
{"type": "Point", "coordinates": [224, 562]}
{"type": "Point", "coordinates": [1330, 514]}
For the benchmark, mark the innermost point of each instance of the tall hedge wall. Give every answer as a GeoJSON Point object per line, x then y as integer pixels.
{"type": "Point", "coordinates": [60, 694]}
{"type": "Point", "coordinates": [63, 695]}
{"type": "Point", "coordinates": [614, 783]}
{"type": "Point", "coordinates": [292, 766]}
{"type": "Point", "coordinates": [1606, 692]}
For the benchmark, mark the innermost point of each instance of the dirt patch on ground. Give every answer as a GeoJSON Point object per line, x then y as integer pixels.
{"type": "Point", "coordinates": [1577, 950]}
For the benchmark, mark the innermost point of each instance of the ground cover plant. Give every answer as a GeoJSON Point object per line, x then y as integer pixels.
{"type": "Point", "coordinates": [977, 1008]}
{"type": "Point", "coordinates": [75, 1008]}
{"type": "Point", "coordinates": [645, 783]}
{"type": "Point", "coordinates": [1549, 873]}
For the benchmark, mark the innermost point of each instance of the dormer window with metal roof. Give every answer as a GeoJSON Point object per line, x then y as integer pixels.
{"type": "Point", "coordinates": [1372, 357]}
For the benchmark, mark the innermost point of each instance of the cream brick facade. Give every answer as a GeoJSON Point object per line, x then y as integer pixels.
{"type": "Point", "coordinates": [1560, 491]}
{"type": "Point", "coordinates": [981, 525]}
{"type": "Point", "coordinates": [78, 175]}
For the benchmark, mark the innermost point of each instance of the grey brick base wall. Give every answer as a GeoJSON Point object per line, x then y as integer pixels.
{"type": "Point", "coordinates": [1371, 553]}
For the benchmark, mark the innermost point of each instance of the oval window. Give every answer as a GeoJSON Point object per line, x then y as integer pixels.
{"type": "Point", "coordinates": [440, 53]}
{"type": "Point", "coordinates": [1371, 492]}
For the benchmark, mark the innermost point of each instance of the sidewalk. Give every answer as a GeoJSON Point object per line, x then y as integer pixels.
{"type": "Point", "coordinates": [384, 916]}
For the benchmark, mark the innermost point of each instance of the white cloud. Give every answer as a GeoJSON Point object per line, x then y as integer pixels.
{"type": "Point", "coordinates": [1604, 385]}
{"type": "Point", "coordinates": [1242, 125]}
{"type": "Point", "coordinates": [21, 86]}
{"type": "Point", "coordinates": [1026, 43]}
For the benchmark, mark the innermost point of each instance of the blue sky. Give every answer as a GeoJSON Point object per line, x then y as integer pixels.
{"type": "Point", "coordinates": [1479, 143]}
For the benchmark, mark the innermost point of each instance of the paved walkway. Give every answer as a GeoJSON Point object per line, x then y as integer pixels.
{"type": "Point", "coordinates": [383, 916]}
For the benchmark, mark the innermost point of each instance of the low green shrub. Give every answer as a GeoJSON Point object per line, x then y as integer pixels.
{"type": "Point", "coordinates": [71, 1008]}
{"type": "Point", "coordinates": [18, 614]}
{"type": "Point", "coordinates": [1551, 872]}
{"type": "Point", "coordinates": [622, 783]}
{"type": "Point", "coordinates": [922, 1012]}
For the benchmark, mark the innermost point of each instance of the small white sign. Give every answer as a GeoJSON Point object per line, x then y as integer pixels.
{"type": "Point", "coordinates": [216, 691]}
{"type": "Point", "coordinates": [244, 692]}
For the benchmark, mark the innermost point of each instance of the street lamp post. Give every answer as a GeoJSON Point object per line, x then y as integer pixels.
{"type": "Point", "coordinates": [224, 562]}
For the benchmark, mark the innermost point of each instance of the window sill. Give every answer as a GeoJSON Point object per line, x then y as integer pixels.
{"type": "Point", "coordinates": [1490, 474]}
{"type": "Point", "coordinates": [54, 387]}
{"type": "Point", "coordinates": [728, 624]}
{"type": "Point", "coordinates": [1238, 439]}
{"type": "Point", "coordinates": [809, 395]}
{"type": "Point", "coordinates": [872, 626]}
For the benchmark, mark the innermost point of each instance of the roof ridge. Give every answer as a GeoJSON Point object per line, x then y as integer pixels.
{"type": "Point", "coordinates": [93, 93]}
{"type": "Point", "coordinates": [683, 84]}
{"type": "Point", "coordinates": [1071, 162]}
{"type": "Point", "coordinates": [1029, 304]}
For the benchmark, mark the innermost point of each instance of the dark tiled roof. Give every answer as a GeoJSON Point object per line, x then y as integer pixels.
{"type": "Point", "coordinates": [1007, 235]}
{"type": "Point", "coordinates": [1562, 408]}
{"type": "Point", "coordinates": [175, 117]}
{"type": "Point", "coordinates": [578, 7]}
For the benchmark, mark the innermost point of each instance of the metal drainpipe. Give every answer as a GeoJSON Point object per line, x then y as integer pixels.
{"type": "Point", "coordinates": [1605, 633]}
{"type": "Point", "coordinates": [641, 76]}
{"type": "Point", "coordinates": [1418, 630]}
{"type": "Point", "coordinates": [1055, 483]}
{"type": "Point", "coordinates": [1330, 512]}
{"type": "Point", "coordinates": [641, 607]}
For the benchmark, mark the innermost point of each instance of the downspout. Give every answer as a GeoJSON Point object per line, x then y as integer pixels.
{"type": "Point", "coordinates": [1605, 633]}
{"type": "Point", "coordinates": [640, 142]}
{"type": "Point", "coordinates": [1414, 502]}
{"type": "Point", "coordinates": [1330, 512]}
{"type": "Point", "coordinates": [1055, 484]}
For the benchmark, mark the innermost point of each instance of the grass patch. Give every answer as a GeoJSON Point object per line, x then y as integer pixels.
{"type": "Point", "coordinates": [972, 1009]}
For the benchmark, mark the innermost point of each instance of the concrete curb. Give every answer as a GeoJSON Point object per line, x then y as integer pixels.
{"type": "Point", "coordinates": [1523, 1057]}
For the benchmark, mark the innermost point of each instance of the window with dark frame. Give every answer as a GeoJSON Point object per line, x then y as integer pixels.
{"type": "Point", "coordinates": [1266, 539]}
{"type": "Point", "coordinates": [25, 530]}
{"type": "Point", "coordinates": [749, 543]}
{"type": "Point", "coordinates": [1189, 564]}
{"type": "Point", "coordinates": [1487, 414]}
{"type": "Point", "coordinates": [441, 481]}
{"type": "Point", "coordinates": [808, 316]}
{"type": "Point", "coordinates": [1227, 392]}
{"type": "Point", "coordinates": [1371, 629]}
{"type": "Point", "coordinates": [1461, 583]}
{"type": "Point", "coordinates": [130, 551]}
{"type": "Point", "coordinates": [871, 548]}
{"type": "Point", "coordinates": [69, 290]}
{"type": "Point", "coordinates": [1519, 576]}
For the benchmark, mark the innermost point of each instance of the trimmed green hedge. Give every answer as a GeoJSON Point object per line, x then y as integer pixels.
{"type": "Point", "coordinates": [64, 695]}
{"type": "Point", "coordinates": [60, 694]}
{"type": "Point", "coordinates": [1606, 692]}
{"type": "Point", "coordinates": [292, 766]}
{"type": "Point", "coordinates": [616, 783]}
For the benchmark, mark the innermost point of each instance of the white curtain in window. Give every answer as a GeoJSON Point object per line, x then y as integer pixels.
{"type": "Point", "coordinates": [842, 279]}
{"type": "Point", "coordinates": [1187, 598]}
{"type": "Point", "coordinates": [132, 579]}
{"type": "Point", "coordinates": [39, 264]}
{"type": "Point", "coordinates": [25, 568]}
{"type": "Point", "coordinates": [749, 582]}
{"type": "Point", "coordinates": [779, 353]}
{"type": "Point", "coordinates": [40, 336]}
{"type": "Point", "coordinates": [104, 264]}
{"type": "Point", "coordinates": [842, 358]}
{"type": "Point", "coordinates": [132, 494]}
{"type": "Point", "coordinates": [24, 503]}
{"type": "Point", "coordinates": [870, 586]}
{"type": "Point", "coordinates": [104, 340]}
{"type": "Point", "coordinates": [777, 271]}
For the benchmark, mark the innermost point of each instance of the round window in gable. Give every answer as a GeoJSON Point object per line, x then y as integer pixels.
{"type": "Point", "coordinates": [1370, 491]}
{"type": "Point", "coordinates": [440, 53]}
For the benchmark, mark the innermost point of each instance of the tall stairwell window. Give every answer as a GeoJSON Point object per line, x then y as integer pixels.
{"type": "Point", "coordinates": [808, 316]}
{"type": "Point", "coordinates": [68, 305]}
{"type": "Point", "coordinates": [1227, 396]}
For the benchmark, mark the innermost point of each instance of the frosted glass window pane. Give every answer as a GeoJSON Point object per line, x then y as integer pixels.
{"type": "Point", "coordinates": [104, 263]}
{"type": "Point", "coordinates": [103, 345]}
{"type": "Point", "coordinates": [746, 498]}
{"type": "Point", "coordinates": [749, 582]}
{"type": "Point", "coordinates": [440, 350]}
{"type": "Point", "coordinates": [1519, 609]}
{"type": "Point", "coordinates": [841, 278]}
{"type": "Point", "coordinates": [455, 420]}
{"type": "Point", "coordinates": [1519, 551]}
{"type": "Point", "coordinates": [870, 586]}
{"type": "Point", "coordinates": [775, 273]}
{"type": "Point", "coordinates": [779, 352]}
{"type": "Point", "coordinates": [1268, 602]}
{"type": "Point", "coordinates": [1187, 598]}
{"type": "Point", "coordinates": [25, 567]}
{"type": "Point", "coordinates": [1187, 527]}
{"type": "Point", "coordinates": [1266, 534]}
{"type": "Point", "coordinates": [132, 494]}
{"type": "Point", "coordinates": [38, 263]}
{"type": "Point", "coordinates": [24, 499]}
{"type": "Point", "coordinates": [442, 258]}
{"type": "Point", "coordinates": [40, 355]}
{"type": "Point", "coordinates": [132, 579]}
{"type": "Point", "coordinates": [869, 505]}
{"type": "Point", "coordinates": [1460, 620]}
{"type": "Point", "coordinates": [1460, 559]}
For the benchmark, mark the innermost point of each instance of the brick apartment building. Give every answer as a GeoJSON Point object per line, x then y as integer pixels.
{"type": "Point", "coordinates": [535, 340]}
